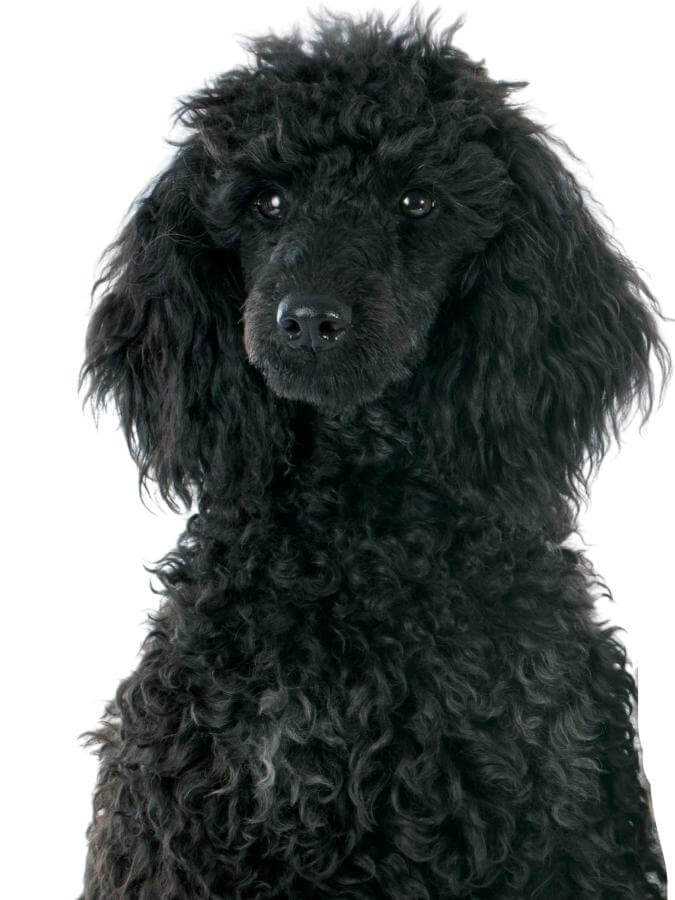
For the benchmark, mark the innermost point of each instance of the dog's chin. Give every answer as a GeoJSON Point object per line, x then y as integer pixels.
{"type": "Point", "coordinates": [331, 392]}
{"type": "Point", "coordinates": [328, 380]}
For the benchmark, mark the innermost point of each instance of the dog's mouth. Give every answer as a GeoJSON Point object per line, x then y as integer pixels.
{"type": "Point", "coordinates": [351, 373]}
{"type": "Point", "coordinates": [325, 378]}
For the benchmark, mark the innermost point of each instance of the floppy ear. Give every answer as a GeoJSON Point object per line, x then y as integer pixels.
{"type": "Point", "coordinates": [548, 347]}
{"type": "Point", "coordinates": [165, 344]}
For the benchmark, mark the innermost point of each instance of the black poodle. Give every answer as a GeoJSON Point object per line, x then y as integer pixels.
{"type": "Point", "coordinates": [366, 322]}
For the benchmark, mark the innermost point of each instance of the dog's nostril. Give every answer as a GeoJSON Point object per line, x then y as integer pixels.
{"type": "Point", "coordinates": [290, 325]}
{"type": "Point", "coordinates": [328, 328]}
{"type": "Point", "coordinates": [315, 323]}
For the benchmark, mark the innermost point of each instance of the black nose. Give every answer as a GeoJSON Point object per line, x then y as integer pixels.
{"type": "Point", "coordinates": [313, 322]}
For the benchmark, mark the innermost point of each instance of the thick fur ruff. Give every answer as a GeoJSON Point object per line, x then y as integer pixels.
{"type": "Point", "coordinates": [376, 671]}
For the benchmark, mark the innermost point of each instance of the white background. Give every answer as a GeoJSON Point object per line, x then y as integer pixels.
{"type": "Point", "coordinates": [88, 94]}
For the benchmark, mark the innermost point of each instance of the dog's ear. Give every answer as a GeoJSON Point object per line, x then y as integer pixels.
{"type": "Point", "coordinates": [165, 341]}
{"type": "Point", "coordinates": [548, 347]}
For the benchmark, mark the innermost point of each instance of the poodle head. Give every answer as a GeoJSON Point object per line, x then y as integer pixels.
{"type": "Point", "coordinates": [333, 177]}
{"type": "Point", "coordinates": [362, 217]}
{"type": "Point", "coordinates": [344, 223]}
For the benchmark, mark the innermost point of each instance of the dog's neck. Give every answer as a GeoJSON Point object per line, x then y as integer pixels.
{"type": "Point", "coordinates": [356, 441]}
{"type": "Point", "coordinates": [374, 463]}
{"type": "Point", "coordinates": [352, 483]}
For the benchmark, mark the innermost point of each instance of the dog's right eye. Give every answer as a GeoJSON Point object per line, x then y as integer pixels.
{"type": "Point", "coordinates": [416, 203]}
{"type": "Point", "coordinates": [271, 204]}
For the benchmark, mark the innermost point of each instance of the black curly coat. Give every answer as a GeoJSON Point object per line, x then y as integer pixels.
{"type": "Point", "coordinates": [376, 671]}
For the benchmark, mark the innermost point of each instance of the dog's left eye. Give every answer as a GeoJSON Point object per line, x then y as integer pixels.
{"type": "Point", "coordinates": [416, 203]}
{"type": "Point", "coordinates": [271, 203]}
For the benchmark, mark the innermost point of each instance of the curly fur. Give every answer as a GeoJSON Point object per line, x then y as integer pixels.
{"type": "Point", "coordinates": [376, 671]}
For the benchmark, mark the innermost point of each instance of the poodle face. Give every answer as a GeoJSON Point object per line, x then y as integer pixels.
{"type": "Point", "coordinates": [344, 276]}
{"type": "Point", "coordinates": [346, 253]}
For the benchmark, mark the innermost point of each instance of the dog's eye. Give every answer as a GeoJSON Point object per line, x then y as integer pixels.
{"type": "Point", "coordinates": [271, 203]}
{"type": "Point", "coordinates": [416, 203]}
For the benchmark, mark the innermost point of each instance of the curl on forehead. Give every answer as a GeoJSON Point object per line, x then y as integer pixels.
{"type": "Point", "coordinates": [363, 84]}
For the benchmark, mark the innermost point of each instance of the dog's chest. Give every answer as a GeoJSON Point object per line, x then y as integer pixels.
{"type": "Point", "coordinates": [371, 688]}
{"type": "Point", "coordinates": [407, 728]}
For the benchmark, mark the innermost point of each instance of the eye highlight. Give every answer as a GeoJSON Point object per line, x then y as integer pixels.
{"type": "Point", "coordinates": [416, 203]}
{"type": "Point", "coordinates": [271, 203]}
